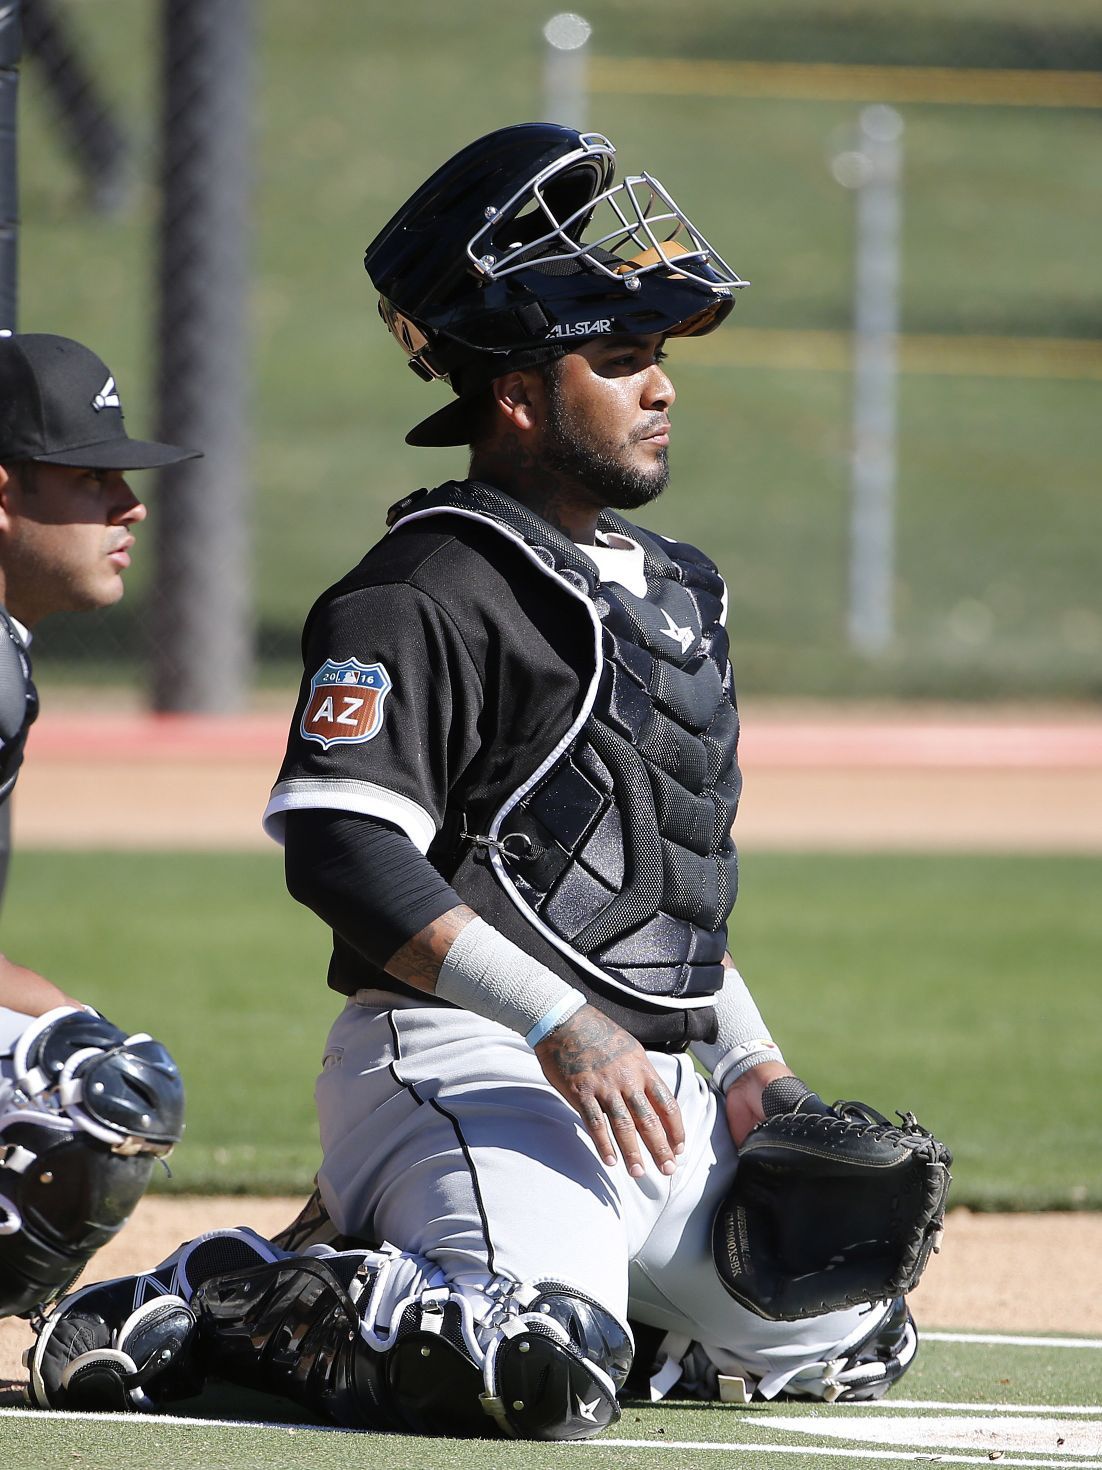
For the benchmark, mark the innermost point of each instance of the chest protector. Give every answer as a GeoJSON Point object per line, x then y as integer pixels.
{"type": "Point", "coordinates": [18, 702]}
{"type": "Point", "coordinates": [617, 847]}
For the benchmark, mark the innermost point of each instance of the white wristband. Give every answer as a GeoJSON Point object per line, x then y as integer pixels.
{"type": "Point", "coordinates": [741, 1058]}
{"type": "Point", "coordinates": [561, 1011]}
{"type": "Point", "coordinates": [490, 975]}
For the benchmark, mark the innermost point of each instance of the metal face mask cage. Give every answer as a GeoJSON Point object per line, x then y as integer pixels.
{"type": "Point", "coordinates": [637, 220]}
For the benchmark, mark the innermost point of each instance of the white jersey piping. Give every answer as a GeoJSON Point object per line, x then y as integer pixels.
{"type": "Point", "coordinates": [307, 793]}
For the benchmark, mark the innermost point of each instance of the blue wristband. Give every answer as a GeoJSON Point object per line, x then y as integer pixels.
{"type": "Point", "coordinates": [561, 1011]}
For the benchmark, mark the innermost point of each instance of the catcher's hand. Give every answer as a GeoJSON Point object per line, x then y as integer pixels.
{"type": "Point", "coordinates": [830, 1207]}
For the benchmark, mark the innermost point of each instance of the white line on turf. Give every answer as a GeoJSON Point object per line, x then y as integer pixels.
{"type": "Point", "coordinates": [889, 1404]}
{"type": "Point", "coordinates": [98, 1417]}
{"type": "Point", "coordinates": [1002, 1340]}
{"type": "Point", "coordinates": [997, 1436]}
{"type": "Point", "coordinates": [664, 1446]}
{"type": "Point", "coordinates": [823, 1452]}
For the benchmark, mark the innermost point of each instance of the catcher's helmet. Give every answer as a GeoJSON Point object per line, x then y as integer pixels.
{"type": "Point", "coordinates": [485, 268]}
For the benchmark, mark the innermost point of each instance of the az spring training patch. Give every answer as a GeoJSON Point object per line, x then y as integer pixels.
{"type": "Point", "coordinates": [345, 706]}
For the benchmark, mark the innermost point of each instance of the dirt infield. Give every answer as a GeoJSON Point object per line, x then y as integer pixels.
{"type": "Point", "coordinates": [861, 778]}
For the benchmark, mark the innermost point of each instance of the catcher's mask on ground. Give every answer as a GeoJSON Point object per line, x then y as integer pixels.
{"type": "Point", "coordinates": [521, 247]}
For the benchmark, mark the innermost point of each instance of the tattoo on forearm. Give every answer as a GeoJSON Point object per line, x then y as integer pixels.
{"type": "Point", "coordinates": [418, 961]}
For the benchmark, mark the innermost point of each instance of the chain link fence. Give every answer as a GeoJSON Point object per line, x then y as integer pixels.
{"type": "Point", "coordinates": [741, 109]}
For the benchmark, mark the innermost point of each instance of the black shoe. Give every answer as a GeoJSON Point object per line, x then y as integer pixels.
{"type": "Point", "coordinates": [127, 1344]}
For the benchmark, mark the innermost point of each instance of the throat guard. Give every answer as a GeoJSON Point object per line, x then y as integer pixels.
{"type": "Point", "coordinates": [618, 847]}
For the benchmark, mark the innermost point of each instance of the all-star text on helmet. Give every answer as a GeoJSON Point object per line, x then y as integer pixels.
{"type": "Point", "coordinates": [521, 246]}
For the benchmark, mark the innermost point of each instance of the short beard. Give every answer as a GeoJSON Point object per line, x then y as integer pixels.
{"type": "Point", "coordinates": [612, 482]}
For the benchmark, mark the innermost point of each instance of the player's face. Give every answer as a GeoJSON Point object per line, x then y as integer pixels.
{"type": "Point", "coordinates": [608, 419]}
{"type": "Point", "coordinates": [65, 538]}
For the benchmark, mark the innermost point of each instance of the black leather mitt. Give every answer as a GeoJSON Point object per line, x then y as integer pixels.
{"type": "Point", "coordinates": [830, 1207]}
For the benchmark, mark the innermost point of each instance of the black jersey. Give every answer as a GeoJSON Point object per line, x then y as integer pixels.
{"type": "Point", "coordinates": [439, 675]}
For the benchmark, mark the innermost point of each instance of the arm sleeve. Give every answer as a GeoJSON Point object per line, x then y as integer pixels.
{"type": "Point", "coordinates": [364, 879]}
{"type": "Point", "coordinates": [743, 1039]}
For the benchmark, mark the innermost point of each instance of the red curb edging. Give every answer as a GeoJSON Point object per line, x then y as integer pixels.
{"type": "Point", "coordinates": [766, 743]}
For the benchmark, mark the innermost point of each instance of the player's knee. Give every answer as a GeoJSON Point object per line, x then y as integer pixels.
{"type": "Point", "coordinates": [554, 1370]}
{"type": "Point", "coordinates": [551, 1369]}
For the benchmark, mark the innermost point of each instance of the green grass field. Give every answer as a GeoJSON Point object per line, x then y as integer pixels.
{"type": "Point", "coordinates": [959, 987]}
{"type": "Point", "coordinates": [999, 512]}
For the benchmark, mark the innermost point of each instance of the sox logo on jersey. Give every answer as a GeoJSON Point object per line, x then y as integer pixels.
{"type": "Point", "coordinates": [345, 706]}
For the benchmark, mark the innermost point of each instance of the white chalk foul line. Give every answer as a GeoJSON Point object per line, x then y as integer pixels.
{"type": "Point", "coordinates": [822, 1452]}
{"type": "Point", "coordinates": [664, 1446]}
{"type": "Point", "coordinates": [995, 1437]}
{"type": "Point", "coordinates": [1004, 1340]}
{"type": "Point", "coordinates": [96, 1416]}
{"type": "Point", "coordinates": [870, 1406]}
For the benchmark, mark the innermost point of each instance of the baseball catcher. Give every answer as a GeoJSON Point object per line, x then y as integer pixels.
{"type": "Point", "coordinates": [508, 792]}
{"type": "Point", "coordinates": [85, 1108]}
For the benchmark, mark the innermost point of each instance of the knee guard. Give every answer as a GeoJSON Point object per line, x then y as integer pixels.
{"type": "Point", "coordinates": [862, 1368]}
{"type": "Point", "coordinates": [62, 1196]}
{"type": "Point", "coordinates": [553, 1371]}
{"type": "Point", "coordinates": [90, 1110]}
{"type": "Point", "coordinates": [334, 1332]}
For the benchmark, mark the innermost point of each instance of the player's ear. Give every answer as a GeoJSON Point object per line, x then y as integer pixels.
{"type": "Point", "coordinates": [513, 398]}
{"type": "Point", "coordinates": [5, 496]}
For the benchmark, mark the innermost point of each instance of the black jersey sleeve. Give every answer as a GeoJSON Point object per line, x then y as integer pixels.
{"type": "Point", "coordinates": [387, 714]}
{"type": "Point", "coordinates": [364, 879]}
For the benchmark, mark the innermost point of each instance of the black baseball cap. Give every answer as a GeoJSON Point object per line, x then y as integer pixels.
{"type": "Point", "coordinates": [59, 405]}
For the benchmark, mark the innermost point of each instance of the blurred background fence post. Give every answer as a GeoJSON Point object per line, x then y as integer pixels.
{"type": "Point", "coordinates": [879, 162]}
{"type": "Point", "coordinates": [564, 69]}
{"type": "Point", "coordinates": [10, 47]}
{"type": "Point", "coordinates": [203, 620]}
{"type": "Point", "coordinates": [10, 50]}
{"type": "Point", "coordinates": [87, 120]}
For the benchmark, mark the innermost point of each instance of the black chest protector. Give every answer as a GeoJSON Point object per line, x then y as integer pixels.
{"type": "Point", "coordinates": [18, 702]}
{"type": "Point", "coordinates": [618, 847]}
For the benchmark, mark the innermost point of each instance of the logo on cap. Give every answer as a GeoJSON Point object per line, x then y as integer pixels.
{"type": "Point", "coordinates": [345, 706]}
{"type": "Point", "coordinates": [107, 397]}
